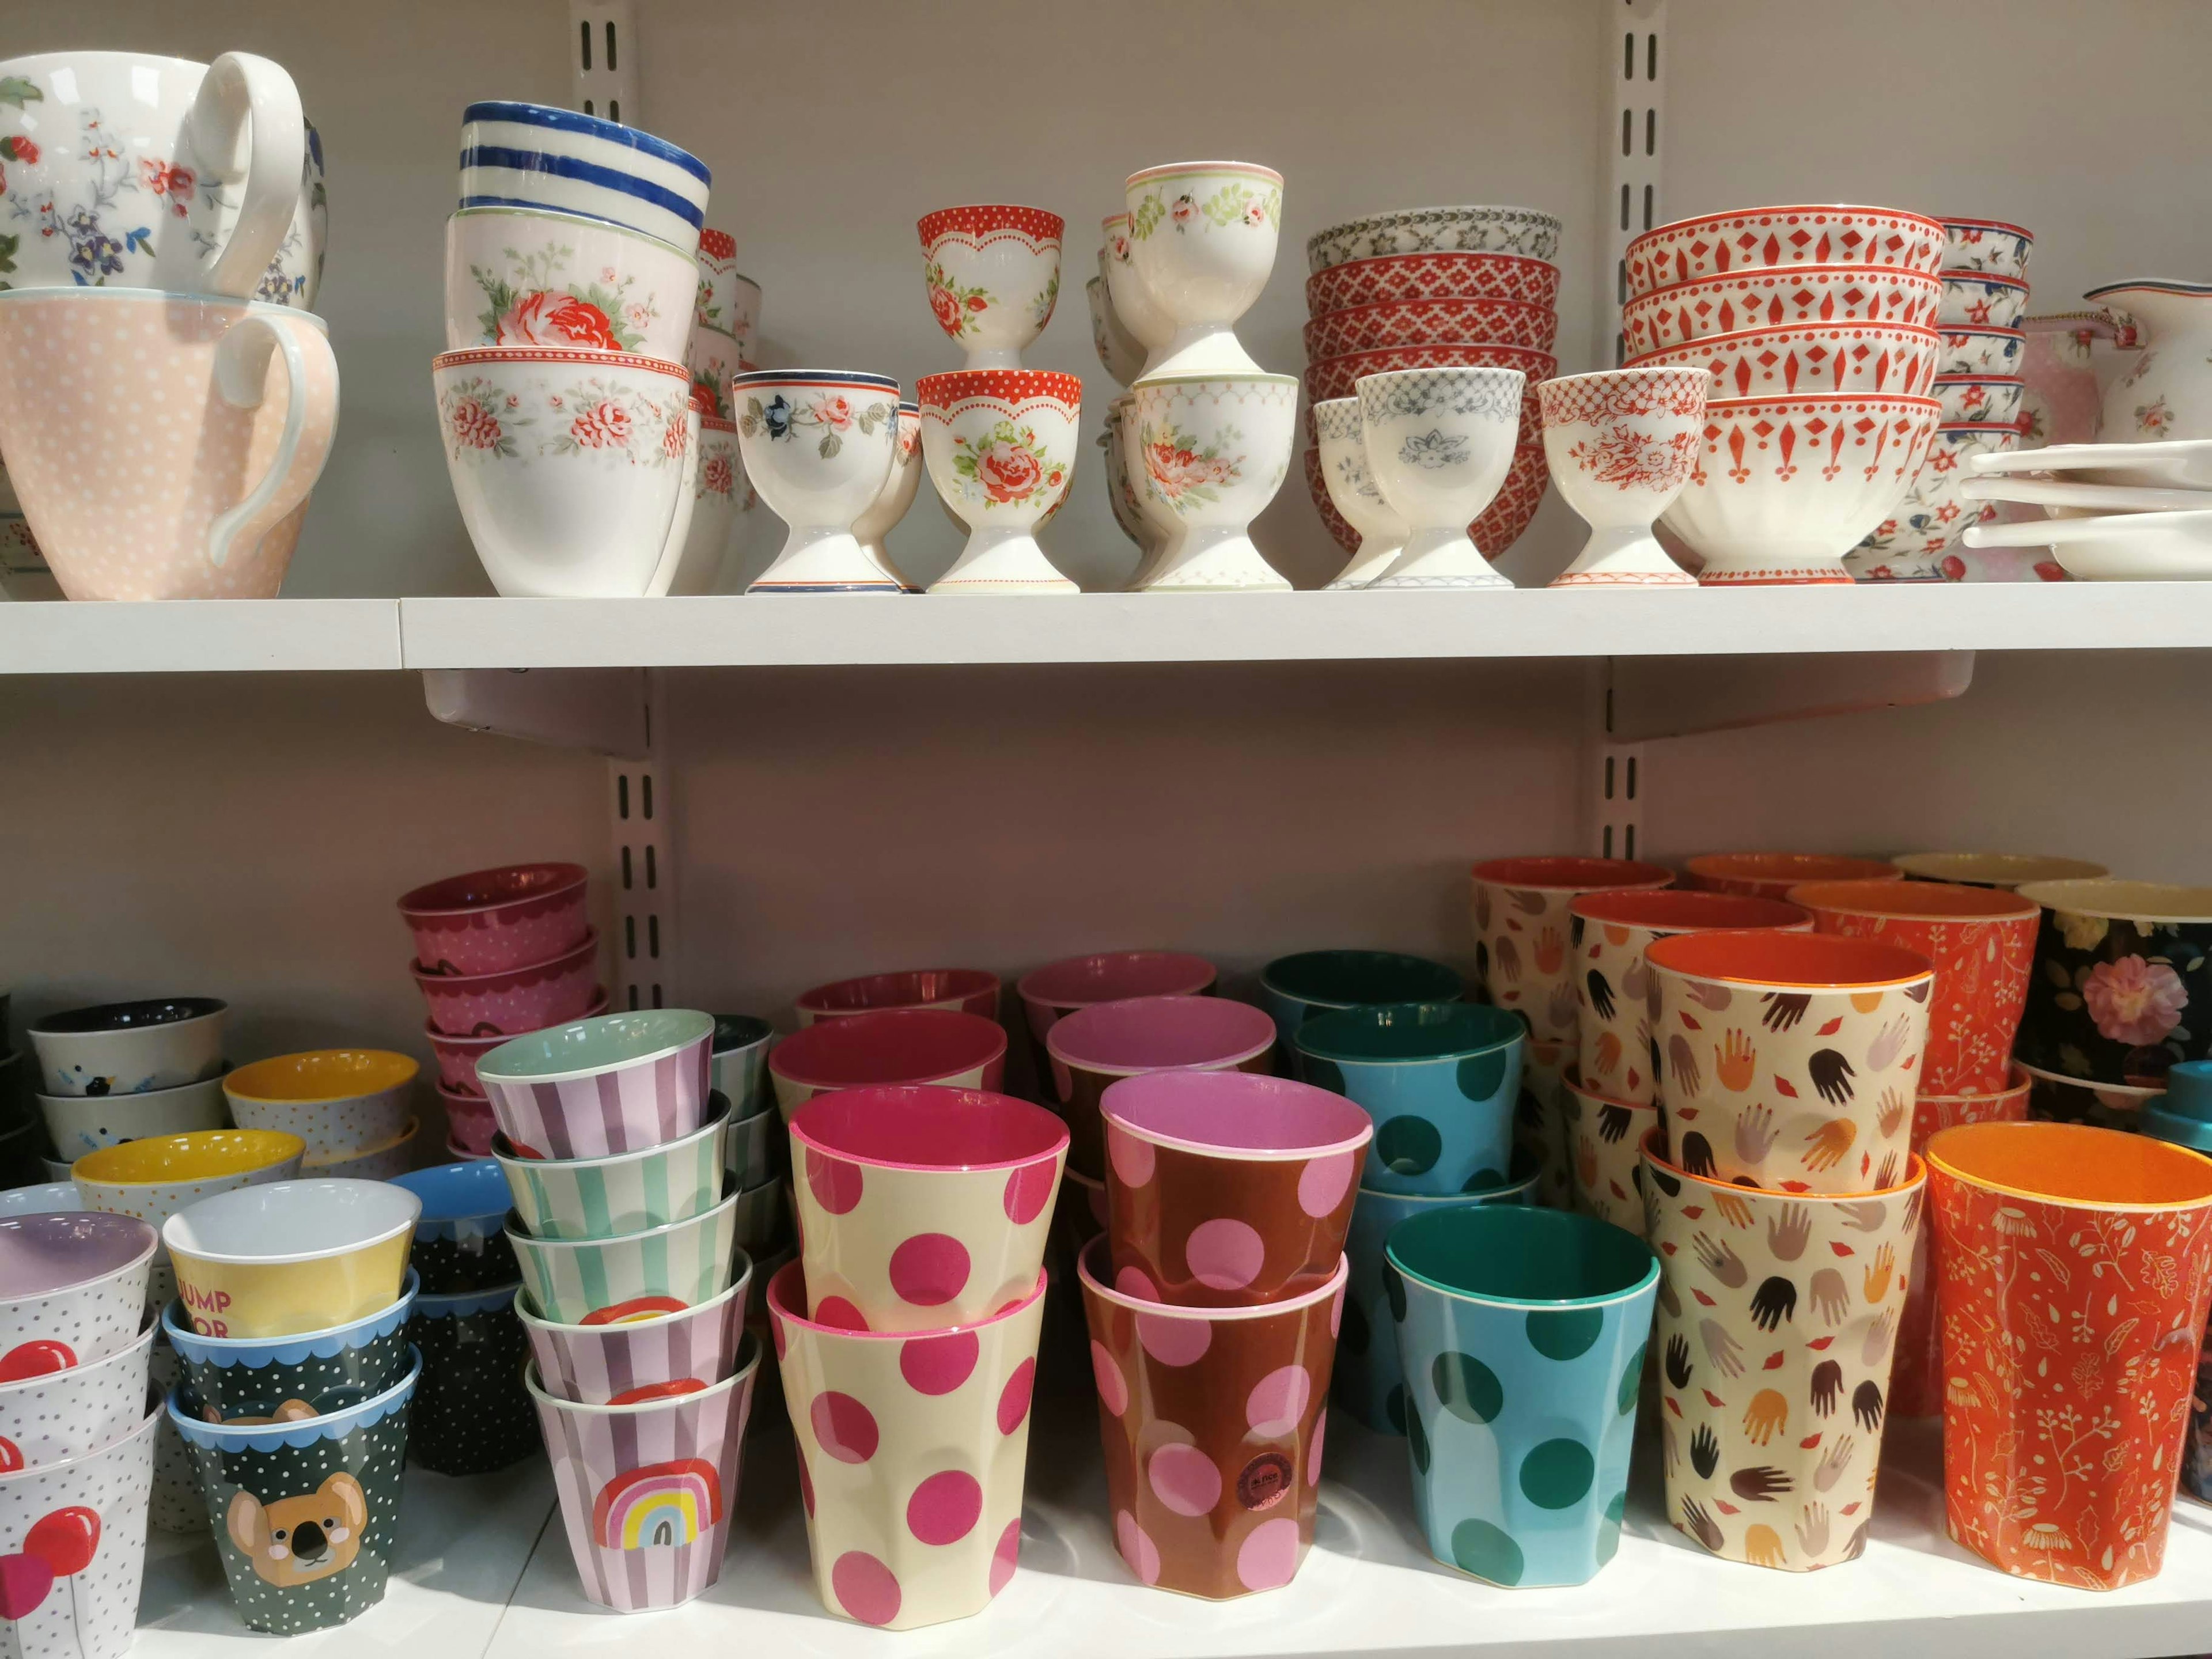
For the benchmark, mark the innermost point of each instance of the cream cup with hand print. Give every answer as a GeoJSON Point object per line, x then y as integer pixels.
{"type": "Point", "coordinates": [1522, 931]}
{"type": "Point", "coordinates": [1790, 1060]}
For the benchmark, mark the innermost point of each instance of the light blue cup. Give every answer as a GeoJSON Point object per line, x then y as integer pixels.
{"type": "Point", "coordinates": [1440, 1080]}
{"type": "Point", "coordinates": [1368, 1381]}
{"type": "Point", "coordinates": [1522, 1338]}
{"type": "Point", "coordinates": [1294, 990]}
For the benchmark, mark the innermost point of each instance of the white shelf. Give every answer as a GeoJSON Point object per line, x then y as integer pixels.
{"type": "Point", "coordinates": [197, 636]}
{"type": "Point", "coordinates": [1368, 1587]}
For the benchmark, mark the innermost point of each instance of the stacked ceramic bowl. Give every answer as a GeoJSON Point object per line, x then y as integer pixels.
{"type": "Point", "coordinates": [353, 1107]}
{"type": "Point", "coordinates": [626, 1229]}
{"type": "Point", "coordinates": [1214, 1300]}
{"type": "Point", "coordinates": [1979, 384]}
{"type": "Point", "coordinates": [498, 953]}
{"type": "Point", "coordinates": [907, 1335]}
{"type": "Point", "coordinates": [126, 1071]}
{"type": "Point", "coordinates": [1426, 289]}
{"type": "Point", "coordinates": [291, 1321]}
{"type": "Point", "coordinates": [77, 1440]}
{"type": "Point", "coordinates": [1818, 323]}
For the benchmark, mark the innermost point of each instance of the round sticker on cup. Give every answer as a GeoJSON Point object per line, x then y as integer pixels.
{"type": "Point", "coordinates": [1265, 1479]}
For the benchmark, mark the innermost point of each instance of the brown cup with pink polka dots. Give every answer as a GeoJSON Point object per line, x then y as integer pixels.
{"type": "Point", "coordinates": [1227, 1189]}
{"type": "Point", "coordinates": [1212, 1421]}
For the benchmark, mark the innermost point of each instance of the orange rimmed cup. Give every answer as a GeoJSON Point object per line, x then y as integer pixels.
{"type": "Point", "coordinates": [1520, 925]}
{"type": "Point", "coordinates": [1771, 875]}
{"type": "Point", "coordinates": [2073, 1266]}
{"type": "Point", "coordinates": [1981, 942]}
{"type": "Point", "coordinates": [1789, 1059]}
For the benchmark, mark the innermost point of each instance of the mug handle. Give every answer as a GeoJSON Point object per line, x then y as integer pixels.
{"type": "Point", "coordinates": [240, 87]}
{"type": "Point", "coordinates": [679, 526]}
{"type": "Point", "coordinates": [241, 370]}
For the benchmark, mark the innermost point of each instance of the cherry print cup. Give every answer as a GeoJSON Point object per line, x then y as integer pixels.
{"type": "Point", "coordinates": [912, 1451]}
{"type": "Point", "coordinates": [921, 1207]}
{"type": "Point", "coordinates": [1095, 1047]}
{"type": "Point", "coordinates": [1212, 1421]}
{"type": "Point", "coordinates": [513, 1000]}
{"type": "Point", "coordinates": [1226, 1189]}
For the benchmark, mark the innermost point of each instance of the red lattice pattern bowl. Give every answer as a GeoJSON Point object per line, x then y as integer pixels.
{"type": "Point", "coordinates": [1396, 277]}
{"type": "Point", "coordinates": [1431, 322]}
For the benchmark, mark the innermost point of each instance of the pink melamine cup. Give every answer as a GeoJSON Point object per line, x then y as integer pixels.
{"type": "Point", "coordinates": [906, 1045]}
{"type": "Point", "coordinates": [1095, 1047]}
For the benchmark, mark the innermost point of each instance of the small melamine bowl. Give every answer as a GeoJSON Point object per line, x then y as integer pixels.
{"type": "Point", "coordinates": [340, 1101]}
{"type": "Point", "coordinates": [127, 1048]}
{"type": "Point", "coordinates": [489, 920]}
{"type": "Point", "coordinates": [85, 1123]}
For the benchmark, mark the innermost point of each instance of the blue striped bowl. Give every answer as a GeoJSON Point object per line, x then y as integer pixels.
{"type": "Point", "coordinates": [534, 155]}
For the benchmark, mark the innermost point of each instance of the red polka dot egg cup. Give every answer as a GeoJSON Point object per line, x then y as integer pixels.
{"type": "Point", "coordinates": [992, 275]}
{"type": "Point", "coordinates": [912, 1447]}
{"type": "Point", "coordinates": [920, 1207]}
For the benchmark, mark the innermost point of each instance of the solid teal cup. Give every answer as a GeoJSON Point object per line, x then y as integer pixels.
{"type": "Point", "coordinates": [1294, 990]}
{"type": "Point", "coordinates": [1439, 1078]}
{"type": "Point", "coordinates": [1522, 1332]}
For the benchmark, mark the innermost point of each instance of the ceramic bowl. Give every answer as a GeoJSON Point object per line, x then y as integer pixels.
{"type": "Point", "coordinates": [1126, 293]}
{"type": "Point", "coordinates": [469, 1124]}
{"type": "Point", "coordinates": [1979, 399]}
{"type": "Point", "coordinates": [1920, 540]}
{"type": "Point", "coordinates": [1095, 1047]}
{"type": "Point", "coordinates": [514, 1000]}
{"type": "Point", "coordinates": [1515, 230]}
{"type": "Point", "coordinates": [896, 495]}
{"type": "Point", "coordinates": [1809, 358]}
{"type": "Point", "coordinates": [49, 1198]}
{"type": "Point", "coordinates": [819, 445]}
{"type": "Point", "coordinates": [1786, 486]}
{"type": "Point", "coordinates": [2118, 963]}
{"type": "Point", "coordinates": [1439, 443]}
{"type": "Point", "coordinates": [630, 1276]}
{"type": "Point", "coordinates": [154, 1178]}
{"type": "Point", "coordinates": [1213, 450]}
{"type": "Point", "coordinates": [1682, 312]}
{"type": "Point", "coordinates": [1120, 353]}
{"type": "Point", "coordinates": [1339, 377]}
{"type": "Point", "coordinates": [650, 1358]}
{"type": "Point", "coordinates": [922, 1208]}
{"type": "Point", "coordinates": [1494, 530]}
{"type": "Point", "coordinates": [921, 1045]}
{"type": "Point", "coordinates": [286, 1379]}
{"type": "Point", "coordinates": [340, 1101]}
{"type": "Point", "coordinates": [738, 1062]}
{"type": "Point", "coordinates": [622, 1192]}
{"type": "Point", "coordinates": [471, 1412]}
{"type": "Point", "coordinates": [1987, 245]}
{"type": "Point", "coordinates": [1982, 299]}
{"type": "Point", "coordinates": [1440, 1079]}
{"type": "Point", "coordinates": [1759, 238]}
{"type": "Point", "coordinates": [88, 1512]}
{"type": "Point", "coordinates": [1294, 990]}
{"type": "Point", "coordinates": [1620, 444]}
{"type": "Point", "coordinates": [528, 277]}
{"type": "Point", "coordinates": [992, 273]}
{"type": "Point", "coordinates": [621, 1083]}
{"type": "Point", "coordinates": [1394, 278]}
{"type": "Point", "coordinates": [128, 1048]}
{"type": "Point", "coordinates": [1995, 869]}
{"type": "Point", "coordinates": [1982, 351]}
{"type": "Point", "coordinates": [73, 1287]}
{"type": "Point", "coordinates": [1340, 463]}
{"type": "Point", "coordinates": [55, 1415]}
{"type": "Point", "coordinates": [542, 156]}
{"type": "Point", "coordinates": [1202, 238]}
{"type": "Point", "coordinates": [999, 445]}
{"type": "Point", "coordinates": [573, 469]}
{"type": "Point", "coordinates": [460, 1240]}
{"type": "Point", "coordinates": [380, 1162]}
{"type": "Point", "coordinates": [84, 1123]}
{"type": "Point", "coordinates": [457, 1056]}
{"type": "Point", "coordinates": [970, 990]}
{"type": "Point", "coordinates": [292, 1255]}
{"type": "Point", "coordinates": [1431, 322]}
{"type": "Point", "coordinates": [1771, 875]}
{"type": "Point", "coordinates": [489, 921]}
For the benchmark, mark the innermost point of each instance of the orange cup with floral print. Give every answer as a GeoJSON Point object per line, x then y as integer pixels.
{"type": "Point", "coordinates": [2073, 1268]}
{"type": "Point", "coordinates": [1981, 942]}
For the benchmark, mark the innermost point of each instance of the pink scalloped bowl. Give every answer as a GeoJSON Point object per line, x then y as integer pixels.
{"type": "Point", "coordinates": [489, 920]}
{"type": "Point", "coordinates": [518, 1000]}
{"type": "Point", "coordinates": [457, 1056]}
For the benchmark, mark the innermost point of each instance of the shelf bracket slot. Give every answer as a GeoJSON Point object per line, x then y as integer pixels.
{"type": "Point", "coordinates": [1652, 697]}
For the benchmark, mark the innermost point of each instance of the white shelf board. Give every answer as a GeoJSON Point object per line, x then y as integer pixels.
{"type": "Point", "coordinates": [205, 636]}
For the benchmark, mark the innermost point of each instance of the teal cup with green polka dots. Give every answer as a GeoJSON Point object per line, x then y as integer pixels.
{"type": "Point", "coordinates": [1522, 1332]}
{"type": "Point", "coordinates": [1439, 1078]}
{"type": "Point", "coordinates": [1294, 990]}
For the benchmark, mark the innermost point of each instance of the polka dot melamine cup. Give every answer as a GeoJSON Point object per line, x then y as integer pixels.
{"type": "Point", "coordinates": [1093, 1048]}
{"type": "Point", "coordinates": [1212, 1423]}
{"type": "Point", "coordinates": [1226, 1189]}
{"type": "Point", "coordinates": [285, 1378]}
{"type": "Point", "coordinates": [1522, 1332]}
{"type": "Point", "coordinates": [900, 1045]}
{"type": "Point", "coordinates": [84, 1521]}
{"type": "Point", "coordinates": [513, 1000]}
{"type": "Point", "coordinates": [489, 921]}
{"type": "Point", "coordinates": [921, 1207]}
{"type": "Point", "coordinates": [1441, 1080]}
{"type": "Point", "coordinates": [72, 1289]}
{"type": "Point", "coordinates": [912, 1449]}
{"type": "Point", "coordinates": [60, 1415]}
{"type": "Point", "coordinates": [471, 1412]}
{"type": "Point", "coordinates": [1294, 990]}
{"type": "Point", "coordinates": [1048, 994]}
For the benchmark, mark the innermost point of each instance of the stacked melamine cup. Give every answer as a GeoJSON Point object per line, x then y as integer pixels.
{"type": "Point", "coordinates": [625, 1228]}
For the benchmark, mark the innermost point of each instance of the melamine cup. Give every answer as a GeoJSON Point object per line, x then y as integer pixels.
{"type": "Point", "coordinates": [1226, 1189]}
{"type": "Point", "coordinates": [1605, 1151]}
{"type": "Point", "coordinates": [970, 990]}
{"type": "Point", "coordinates": [1212, 1422]}
{"type": "Point", "coordinates": [341, 1102]}
{"type": "Point", "coordinates": [1522, 911]}
{"type": "Point", "coordinates": [74, 1583]}
{"type": "Point", "coordinates": [648, 1490]}
{"type": "Point", "coordinates": [1294, 990]}
{"type": "Point", "coordinates": [1522, 1340]}
{"type": "Point", "coordinates": [489, 921]}
{"type": "Point", "coordinates": [623, 1191]}
{"type": "Point", "coordinates": [1792, 1059]}
{"type": "Point", "coordinates": [1056, 990]}
{"type": "Point", "coordinates": [921, 1207]}
{"type": "Point", "coordinates": [1541, 1131]}
{"type": "Point", "coordinates": [1441, 1080]}
{"type": "Point", "coordinates": [921, 1045]}
{"type": "Point", "coordinates": [648, 1357]}
{"type": "Point", "coordinates": [460, 1240]}
{"type": "Point", "coordinates": [753, 1150]}
{"type": "Point", "coordinates": [290, 1378]}
{"type": "Point", "coordinates": [129, 1047]}
{"type": "Point", "coordinates": [738, 1063]}
{"type": "Point", "coordinates": [913, 1447]}
{"type": "Point", "coordinates": [632, 1275]}
{"type": "Point", "coordinates": [472, 1413]}
{"type": "Point", "coordinates": [1092, 1049]}
{"type": "Point", "coordinates": [55, 1415]}
{"type": "Point", "coordinates": [514, 1000]}
{"type": "Point", "coordinates": [2117, 966]}
{"type": "Point", "coordinates": [72, 1289]}
{"type": "Point", "coordinates": [1771, 875]}
{"type": "Point", "coordinates": [622, 1083]}
{"type": "Point", "coordinates": [291, 1256]}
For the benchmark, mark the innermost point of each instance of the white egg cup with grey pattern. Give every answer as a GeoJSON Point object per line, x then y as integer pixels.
{"type": "Point", "coordinates": [1353, 492]}
{"type": "Point", "coordinates": [1210, 452]}
{"type": "Point", "coordinates": [1439, 442]}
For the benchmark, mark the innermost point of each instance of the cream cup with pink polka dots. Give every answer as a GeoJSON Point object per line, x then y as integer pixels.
{"type": "Point", "coordinates": [1212, 1421]}
{"type": "Point", "coordinates": [1226, 1189]}
{"type": "Point", "coordinates": [921, 1206]}
{"type": "Point", "coordinates": [912, 1449]}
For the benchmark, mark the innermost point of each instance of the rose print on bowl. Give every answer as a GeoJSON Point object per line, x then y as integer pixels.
{"type": "Point", "coordinates": [992, 276]}
{"type": "Point", "coordinates": [819, 445]}
{"type": "Point", "coordinates": [999, 444]}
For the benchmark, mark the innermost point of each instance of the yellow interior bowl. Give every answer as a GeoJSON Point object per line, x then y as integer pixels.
{"type": "Point", "coordinates": [201, 1156]}
{"type": "Point", "coordinates": [321, 1074]}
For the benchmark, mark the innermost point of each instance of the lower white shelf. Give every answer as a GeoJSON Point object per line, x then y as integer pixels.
{"type": "Point", "coordinates": [486, 1574]}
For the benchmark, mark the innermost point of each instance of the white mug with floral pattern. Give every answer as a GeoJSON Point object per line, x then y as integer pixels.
{"type": "Point", "coordinates": [1000, 447]}
{"type": "Point", "coordinates": [819, 446]}
{"type": "Point", "coordinates": [1352, 492]}
{"type": "Point", "coordinates": [121, 168]}
{"type": "Point", "coordinates": [1202, 239]}
{"type": "Point", "coordinates": [1212, 451]}
{"type": "Point", "coordinates": [1621, 445]}
{"type": "Point", "coordinates": [1439, 442]}
{"type": "Point", "coordinates": [993, 272]}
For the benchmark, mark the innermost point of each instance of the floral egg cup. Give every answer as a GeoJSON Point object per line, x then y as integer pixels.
{"type": "Point", "coordinates": [1213, 451]}
{"type": "Point", "coordinates": [819, 445]}
{"type": "Point", "coordinates": [1120, 353]}
{"type": "Point", "coordinates": [716, 493]}
{"type": "Point", "coordinates": [999, 444]}
{"type": "Point", "coordinates": [898, 491]}
{"type": "Point", "coordinates": [726, 299]}
{"type": "Point", "coordinates": [1202, 239]}
{"type": "Point", "coordinates": [1121, 489]}
{"type": "Point", "coordinates": [1352, 492]}
{"type": "Point", "coordinates": [1621, 445]}
{"type": "Point", "coordinates": [1127, 299]}
{"type": "Point", "coordinates": [1439, 442]}
{"type": "Point", "coordinates": [994, 275]}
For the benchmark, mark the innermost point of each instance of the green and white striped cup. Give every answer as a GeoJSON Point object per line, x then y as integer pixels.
{"type": "Point", "coordinates": [641, 1275]}
{"type": "Point", "coordinates": [624, 1193]}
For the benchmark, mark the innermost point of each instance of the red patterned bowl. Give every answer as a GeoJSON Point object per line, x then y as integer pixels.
{"type": "Point", "coordinates": [1501, 523]}
{"type": "Point", "coordinates": [1766, 299]}
{"type": "Point", "coordinates": [491, 919]}
{"type": "Point", "coordinates": [1432, 322]}
{"type": "Point", "coordinates": [457, 1055]}
{"type": "Point", "coordinates": [1335, 377]}
{"type": "Point", "coordinates": [1400, 276]}
{"type": "Point", "coordinates": [518, 1000]}
{"type": "Point", "coordinates": [1809, 358]}
{"type": "Point", "coordinates": [1759, 238]}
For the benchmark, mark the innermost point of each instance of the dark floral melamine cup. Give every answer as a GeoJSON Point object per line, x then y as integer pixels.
{"type": "Point", "coordinates": [2122, 969]}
